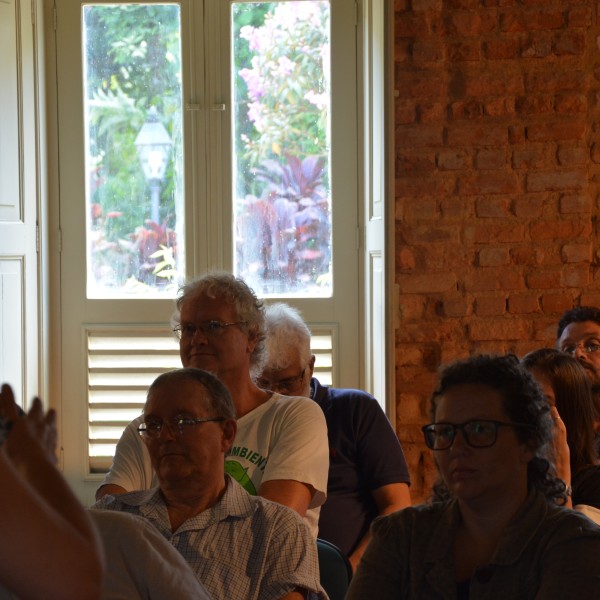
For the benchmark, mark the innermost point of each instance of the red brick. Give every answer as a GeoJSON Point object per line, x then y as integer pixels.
{"type": "Point", "coordinates": [501, 49]}
{"type": "Point", "coordinates": [451, 160]}
{"type": "Point", "coordinates": [552, 230]}
{"type": "Point", "coordinates": [536, 45]}
{"type": "Point", "coordinates": [493, 279]}
{"type": "Point", "coordinates": [577, 252]}
{"type": "Point", "coordinates": [499, 329]}
{"type": "Point", "coordinates": [456, 305]}
{"type": "Point", "coordinates": [402, 50]}
{"type": "Point", "coordinates": [427, 283]}
{"type": "Point", "coordinates": [420, 84]}
{"type": "Point", "coordinates": [471, 23]}
{"type": "Point", "coordinates": [580, 16]}
{"type": "Point", "coordinates": [543, 280]}
{"type": "Point", "coordinates": [534, 105]}
{"type": "Point", "coordinates": [575, 203]}
{"type": "Point", "coordinates": [464, 51]}
{"type": "Point", "coordinates": [408, 162]}
{"type": "Point", "coordinates": [422, 208]}
{"type": "Point", "coordinates": [492, 207]}
{"type": "Point", "coordinates": [476, 135]}
{"type": "Point", "coordinates": [490, 158]}
{"type": "Point", "coordinates": [405, 112]}
{"type": "Point", "coordinates": [529, 157]}
{"type": "Point", "coordinates": [569, 44]}
{"type": "Point", "coordinates": [531, 20]}
{"type": "Point", "coordinates": [454, 208]}
{"type": "Point", "coordinates": [464, 4]}
{"type": "Point", "coordinates": [431, 112]}
{"type": "Point", "coordinates": [419, 186]}
{"type": "Point", "coordinates": [555, 81]}
{"type": "Point", "coordinates": [588, 299]}
{"type": "Point", "coordinates": [499, 106]}
{"type": "Point", "coordinates": [490, 183]}
{"type": "Point", "coordinates": [569, 155]}
{"type": "Point", "coordinates": [521, 304]}
{"type": "Point", "coordinates": [494, 84]}
{"type": "Point", "coordinates": [410, 25]}
{"type": "Point", "coordinates": [411, 307]}
{"type": "Point", "coordinates": [525, 256]}
{"type": "Point", "coordinates": [425, 5]}
{"type": "Point", "coordinates": [576, 276]}
{"type": "Point", "coordinates": [571, 103]}
{"type": "Point", "coordinates": [494, 257]}
{"type": "Point", "coordinates": [556, 303]}
{"type": "Point", "coordinates": [551, 132]}
{"type": "Point", "coordinates": [516, 134]}
{"type": "Point", "coordinates": [418, 136]}
{"type": "Point", "coordinates": [427, 51]}
{"type": "Point", "coordinates": [490, 306]}
{"type": "Point", "coordinates": [494, 231]}
{"type": "Point", "coordinates": [467, 109]}
{"type": "Point", "coordinates": [556, 181]}
{"type": "Point", "coordinates": [595, 153]}
{"type": "Point", "coordinates": [405, 259]}
{"type": "Point", "coordinates": [409, 356]}
{"type": "Point", "coordinates": [429, 233]}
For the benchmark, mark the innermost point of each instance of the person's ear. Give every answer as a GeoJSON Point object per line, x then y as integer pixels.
{"type": "Point", "coordinates": [311, 365]}
{"type": "Point", "coordinates": [229, 431]}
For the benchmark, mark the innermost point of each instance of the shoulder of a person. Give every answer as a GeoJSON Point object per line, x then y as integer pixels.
{"type": "Point", "coordinates": [421, 517]}
{"type": "Point", "coordinates": [116, 502]}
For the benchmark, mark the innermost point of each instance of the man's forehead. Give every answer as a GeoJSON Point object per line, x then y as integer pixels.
{"type": "Point", "coordinates": [579, 330]}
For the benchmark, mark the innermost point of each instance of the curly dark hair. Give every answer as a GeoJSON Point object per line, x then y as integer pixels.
{"type": "Point", "coordinates": [522, 400]}
{"type": "Point", "coordinates": [579, 314]}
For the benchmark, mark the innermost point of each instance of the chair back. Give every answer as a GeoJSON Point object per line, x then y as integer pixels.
{"type": "Point", "coordinates": [335, 570]}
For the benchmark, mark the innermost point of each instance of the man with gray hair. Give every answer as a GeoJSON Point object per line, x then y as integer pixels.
{"type": "Point", "coordinates": [280, 451]}
{"type": "Point", "coordinates": [368, 475]}
{"type": "Point", "coordinates": [241, 547]}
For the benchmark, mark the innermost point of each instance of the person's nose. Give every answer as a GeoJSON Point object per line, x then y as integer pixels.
{"type": "Point", "coordinates": [166, 433]}
{"type": "Point", "coordinates": [199, 337]}
{"type": "Point", "coordinates": [579, 353]}
{"type": "Point", "coordinates": [459, 444]}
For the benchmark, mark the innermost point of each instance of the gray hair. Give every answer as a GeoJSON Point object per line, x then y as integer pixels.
{"type": "Point", "coordinates": [285, 330]}
{"type": "Point", "coordinates": [236, 292]}
{"type": "Point", "coordinates": [218, 396]}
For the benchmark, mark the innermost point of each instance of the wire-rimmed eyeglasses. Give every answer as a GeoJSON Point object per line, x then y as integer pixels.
{"type": "Point", "coordinates": [206, 328]}
{"type": "Point", "coordinates": [588, 347]}
{"type": "Point", "coordinates": [177, 425]}
{"type": "Point", "coordinates": [478, 434]}
{"type": "Point", "coordinates": [283, 386]}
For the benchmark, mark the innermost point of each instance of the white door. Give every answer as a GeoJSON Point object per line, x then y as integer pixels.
{"type": "Point", "coordinates": [115, 343]}
{"type": "Point", "coordinates": [19, 190]}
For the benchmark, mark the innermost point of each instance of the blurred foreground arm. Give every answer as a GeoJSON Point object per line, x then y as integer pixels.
{"type": "Point", "coordinates": [48, 545]}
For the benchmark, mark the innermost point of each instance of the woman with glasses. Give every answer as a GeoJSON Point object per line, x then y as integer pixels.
{"type": "Point", "coordinates": [568, 390]}
{"type": "Point", "coordinates": [493, 529]}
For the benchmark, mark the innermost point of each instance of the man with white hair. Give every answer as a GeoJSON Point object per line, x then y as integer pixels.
{"type": "Point", "coordinates": [368, 475]}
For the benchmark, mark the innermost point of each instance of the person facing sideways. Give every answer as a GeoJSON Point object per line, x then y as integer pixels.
{"type": "Point", "coordinates": [494, 529]}
{"type": "Point", "coordinates": [49, 547]}
{"type": "Point", "coordinates": [240, 546]}
{"type": "Point", "coordinates": [567, 389]}
{"type": "Point", "coordinates": [578, 334]}
{"type": "Point", "coordinates": [280, 451]}
{"type": "Point", "coordinates": [367, 471]}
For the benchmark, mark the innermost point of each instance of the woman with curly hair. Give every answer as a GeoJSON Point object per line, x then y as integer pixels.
{"type": "Point", "coordinates": [499, 532]}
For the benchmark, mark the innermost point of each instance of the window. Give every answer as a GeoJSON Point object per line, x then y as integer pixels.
{"type": "Point", "coordinates": [103, 365]}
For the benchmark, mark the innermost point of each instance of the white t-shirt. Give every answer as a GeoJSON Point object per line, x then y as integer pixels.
{"type": "Point", "coordinates": [284, 438]}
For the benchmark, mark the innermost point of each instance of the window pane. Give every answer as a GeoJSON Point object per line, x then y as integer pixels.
{"type": "Point", "coordinates": [134, 150]}
{"type": "Point", "coordinates": [281, 178]}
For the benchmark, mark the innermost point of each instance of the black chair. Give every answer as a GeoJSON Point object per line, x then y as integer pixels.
{"type": "Point", "coordinates": [335, 569]}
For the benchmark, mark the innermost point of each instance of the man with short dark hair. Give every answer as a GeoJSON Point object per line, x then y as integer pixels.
{"type": "Point", "coordinates": [241, 547]}
{"type": "Point", "coordinates": [578, 334]}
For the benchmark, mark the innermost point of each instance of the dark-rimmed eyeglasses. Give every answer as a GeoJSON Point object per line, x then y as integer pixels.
{"type": "Point", "coordinates": [206, 328]}
{"type": "Point", "coordinates": [283, 386]}
{"type": "Point", "coordinates": [177, 425]}
{"type": "Point", "coordinates": [588, 347]}
{"type": "Point", "coordinates": [478, 434]}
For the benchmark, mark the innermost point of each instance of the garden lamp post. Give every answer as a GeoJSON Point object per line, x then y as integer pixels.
{"type": "Point", "coordinates": [153, 144]}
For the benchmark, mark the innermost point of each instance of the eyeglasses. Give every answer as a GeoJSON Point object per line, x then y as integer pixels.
{"type": "Point", "coordinates": [283, 386]}
{"type": "Point", "coordinates": [177, 425]}
{"type": "Point", "coordinates": [210, 328]}
{"type": "Point", "coordinates": [478, 434]}
{"type": "Point", "coordinates": [587, 347]}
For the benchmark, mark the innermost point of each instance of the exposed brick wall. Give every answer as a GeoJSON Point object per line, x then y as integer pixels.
{"type": "Point", "coordinates": [497, 174]}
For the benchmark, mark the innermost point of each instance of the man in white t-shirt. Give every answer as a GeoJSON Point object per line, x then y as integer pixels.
{"type": "Point", "coordinates": [281, 449]}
